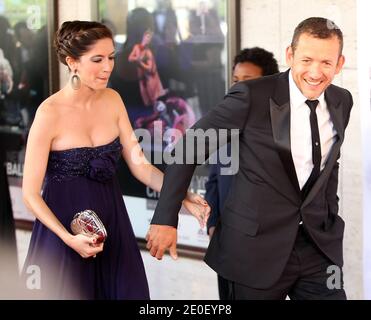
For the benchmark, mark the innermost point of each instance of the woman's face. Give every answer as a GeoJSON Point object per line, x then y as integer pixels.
{"type": "Point", "coordinates": [95, 66]}
{"type": "Point", "coordinates": [147, 37]}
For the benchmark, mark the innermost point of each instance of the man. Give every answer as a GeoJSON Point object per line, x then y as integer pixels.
{"type": "Point", "coordinates": [280, 233]}
{"type": "Point", "coordinates": [250, 63]}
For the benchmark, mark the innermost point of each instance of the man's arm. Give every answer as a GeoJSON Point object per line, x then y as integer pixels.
{"type": "Point", "coordinates": [332, 186]}
{"type": "Point", "coordinates": [231, 113]}
{"type": "Point", "coordinates": [212, 198]}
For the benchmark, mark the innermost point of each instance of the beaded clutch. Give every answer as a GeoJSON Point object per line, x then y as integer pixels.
{"type": "Point", "coordinates": [88, 223]}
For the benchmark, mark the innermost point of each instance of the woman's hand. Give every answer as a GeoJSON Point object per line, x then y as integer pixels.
{"type": "Point", "coordinates": [85, 246]}
{"type": "Point", "coordinates": [198, 207]}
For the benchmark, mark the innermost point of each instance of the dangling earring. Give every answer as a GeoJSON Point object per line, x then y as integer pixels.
{"type": "Point", "coordinates": [75, 81]}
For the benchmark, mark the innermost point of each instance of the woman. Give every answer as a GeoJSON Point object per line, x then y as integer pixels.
{"type": "Point", "coordinates": [75, 141]}
{"type": "Point", "coordinates": [149, 81]}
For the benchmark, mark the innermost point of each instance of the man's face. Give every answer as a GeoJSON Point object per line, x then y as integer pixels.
{"type": "Point", "coordinates": [314, 64]}
{"type": "Point", "coordinates": [246, 71]}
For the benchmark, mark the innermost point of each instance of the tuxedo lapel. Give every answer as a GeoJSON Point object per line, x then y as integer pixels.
{"type": "Point", "coordinates": [280, 121]}
{"type": "Point", "coordinates": [334, 106]}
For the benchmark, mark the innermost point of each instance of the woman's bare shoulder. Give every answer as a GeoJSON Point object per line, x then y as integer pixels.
{"type": "Point", "coordinates": [110, 93]}
{"type": "Point", "coordinates": [112, 98]}
{"type": "Point", "coordinates": [49, 108]}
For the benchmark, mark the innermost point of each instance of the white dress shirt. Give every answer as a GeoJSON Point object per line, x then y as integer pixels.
{"type": "Point", "coordinates": [300, 132]}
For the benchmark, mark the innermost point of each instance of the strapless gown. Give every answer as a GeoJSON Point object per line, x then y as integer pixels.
{"type": "Point", "coordinates": [78, 179]}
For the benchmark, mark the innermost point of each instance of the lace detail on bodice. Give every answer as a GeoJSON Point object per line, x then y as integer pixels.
{"type": "Point", "coordinates": [97, 163]}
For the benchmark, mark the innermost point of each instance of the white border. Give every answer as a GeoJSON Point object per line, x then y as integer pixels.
{"type": "Point", "coordinates": [364, 84]}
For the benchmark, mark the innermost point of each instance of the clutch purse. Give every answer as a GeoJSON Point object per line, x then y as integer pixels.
{"type": "Point", "coordinates": [88, 223]}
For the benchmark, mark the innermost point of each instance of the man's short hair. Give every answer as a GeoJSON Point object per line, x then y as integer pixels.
{"type": "Point", "coordinates": [260, 57]}
{"type": "Point", "coordinates": [317, 27]}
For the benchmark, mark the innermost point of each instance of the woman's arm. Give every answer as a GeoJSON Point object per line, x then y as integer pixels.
{"type": "Point", "coordinates": [37, 152]}
{"type": "Point", "coordinates": [143, 170]}
{"type": "Point", "coordinates": [132, 152]}
{"type": "Point", "coordinates": [135, 54]}
{"type": "Point", "coordinates": [147, 64]}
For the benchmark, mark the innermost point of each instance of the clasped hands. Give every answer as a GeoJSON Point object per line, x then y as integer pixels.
{"type": "Point", "coordinates": [162, 237]}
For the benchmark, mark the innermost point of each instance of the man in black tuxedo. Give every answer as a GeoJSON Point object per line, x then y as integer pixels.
{"type": "Point", "coordinates": [250, 63]}
{"type": "Point", "coordinates": [279, 234]}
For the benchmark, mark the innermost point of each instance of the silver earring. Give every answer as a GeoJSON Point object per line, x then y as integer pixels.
{"type": "Point", "coordinates": [75, 82]}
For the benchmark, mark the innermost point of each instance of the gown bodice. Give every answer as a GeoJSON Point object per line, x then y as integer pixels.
{"type": "Point", "coordinates": [96, 163]}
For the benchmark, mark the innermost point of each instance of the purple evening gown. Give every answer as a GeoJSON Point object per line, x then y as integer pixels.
{"type": "Point", "coordinates": [79, 179]}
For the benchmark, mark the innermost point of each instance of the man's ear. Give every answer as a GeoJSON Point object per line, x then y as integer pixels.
{"type": "Point", "coordinates": [289, 56]}
{"type": "Point", "coordinates": [340, 64]}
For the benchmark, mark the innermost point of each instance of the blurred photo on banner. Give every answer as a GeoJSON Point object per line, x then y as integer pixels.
{"type": "Point", "coordinates": [170, 69]}
{"type": "Point", "coordinates": [24, 84]}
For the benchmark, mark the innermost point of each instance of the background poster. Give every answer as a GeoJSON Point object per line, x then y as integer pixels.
{"type": "Point", "coordinates": [170, 67]}
{"type": "Point", "coordinates": [24, 83]}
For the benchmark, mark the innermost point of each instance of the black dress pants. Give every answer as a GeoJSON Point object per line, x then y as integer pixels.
{"type": "Point", "coordinates": [308, 275]}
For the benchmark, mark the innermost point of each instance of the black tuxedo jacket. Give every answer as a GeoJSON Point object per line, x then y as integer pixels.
{"type": "Point", "coordinates": [217, 189]}
{"type": "Point", "coordinates": [259, 223]}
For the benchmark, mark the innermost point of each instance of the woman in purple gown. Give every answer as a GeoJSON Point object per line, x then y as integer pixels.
{"type": "Point", "coordinates": [77, 137]}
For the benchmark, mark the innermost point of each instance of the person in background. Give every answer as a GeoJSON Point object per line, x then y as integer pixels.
{"type": "Point", "coordinates": [149, 80]}
{"type": "Point", "coordinates": [250, 63]}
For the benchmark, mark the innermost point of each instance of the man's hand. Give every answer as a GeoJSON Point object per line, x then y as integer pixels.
{"type": "Point", "coordinates": [159, 239]}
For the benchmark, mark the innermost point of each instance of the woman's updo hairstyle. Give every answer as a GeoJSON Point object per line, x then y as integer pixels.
{"type": "Point", "coordinates": [74, 38]}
